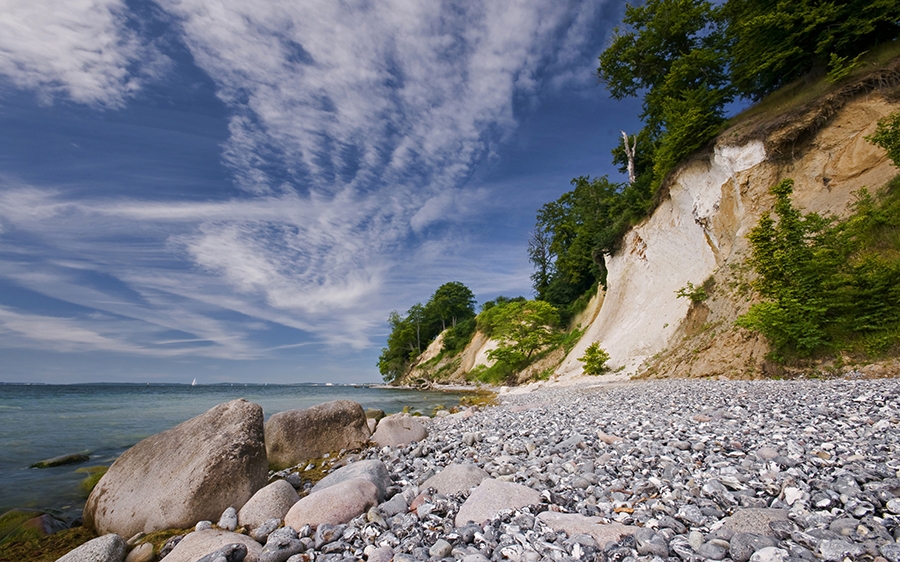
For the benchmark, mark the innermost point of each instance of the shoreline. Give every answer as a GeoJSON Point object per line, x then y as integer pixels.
{"type": "Point", "coordinates": [682, 459]}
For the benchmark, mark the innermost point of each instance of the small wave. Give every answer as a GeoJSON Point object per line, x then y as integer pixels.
{"type": "Point", "coordinates": [5, 407]}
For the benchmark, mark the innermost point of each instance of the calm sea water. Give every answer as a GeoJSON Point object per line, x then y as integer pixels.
{"type": "Point", "coordinates": [43, 421]}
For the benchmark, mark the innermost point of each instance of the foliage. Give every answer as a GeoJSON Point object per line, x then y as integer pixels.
{"type": "Point", "coordinates": [772, 43]}
{"type": "Point", "coordinates": [841, 67]}
{"type": "Point", "coordinates": [695, 294]}
{"type": "Point", "coordinates": [594, 359]}
{"type": "Point", "coordinates": [828, 285]}
{"type": "Point", "coordinates": [451, 303]}
{"type": "Point", "coordinates": [887, 136]}
{"type": "Point", "coordinates": [457, 337]}
{"type": "Point", "coordinates": [575, 232]}
{"type": "Point", "coordinates": [522, 328]}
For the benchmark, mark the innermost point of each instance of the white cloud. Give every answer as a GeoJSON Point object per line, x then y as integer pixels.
{"type": "Point", "coordinates": [81, 49]}
{"type": "Point", "coordinates": [353, 128]}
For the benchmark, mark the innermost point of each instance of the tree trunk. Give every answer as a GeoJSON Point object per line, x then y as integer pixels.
{"type": "Point", "coordinates": [629, 152]}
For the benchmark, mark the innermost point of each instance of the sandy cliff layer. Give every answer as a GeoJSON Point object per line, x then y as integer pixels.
{"type": "Point", "coordinates": [699, 231]}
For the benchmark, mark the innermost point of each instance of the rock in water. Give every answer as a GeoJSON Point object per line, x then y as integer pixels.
{"type": "Point", "coordinates": [296, 436]}
{"type": "Point", "coordinates": [108, 548]}
{"type": "Point", "coordinates": [397, 430]}
{"type": "Point", "coordinates": [61, 460]}
{"type": "Point", "coordinates": [186, 474]}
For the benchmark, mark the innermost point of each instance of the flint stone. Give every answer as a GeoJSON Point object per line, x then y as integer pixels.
{"type": "Point", "coordinates": [891, 551]}
{"type": "Point", "coordinates": [743, 545]}
{"type": "Point", "coordinates": [262, 532]}
{"type": "Point", "coordinates": [235, 552]}
{"type": "Point", "coordinates": [440, 549]}
{"type": "Point", "coordinates": [650, 542]}
{"type": "Point", "coordinates": [395, 505]}
{"type": "Point", "coordinates": [271, 502]}
{"type": "Point", "coordinates": [108, 548]}
{"type": "Point", "coordinates": [333, 505]}
{"type": "Point", "coordinates": [456, 478]}
{"type": "Point", "coordinates": [186, 474]}
{"type": "Point", "coordinates": [574, 524]}
{"type": "Point", "coordinates": [397, 430]}
{"type": "Point", "coordinates": [769, 554]}
{"type": "Point", "coordinates": [198, 544]}
{"type": "Point", "coordinates": [280, 548]}
{"type": "Point", "coordinates": [837, 550]}
{"type": "Point", "coordinates": [492, 496]}
{"type": "Point", "coordinates": [381, 554]}
{"type": "Point", "coordinates": [372, 470]}
{"type": "Point", "coordinates": [711, 551]}
{"type": "Point", "coordinates": [754, 520]}
{"type": "Point", "coordinates": [228, 521]}
{"type": "Point", "coordinates": [296, 436]}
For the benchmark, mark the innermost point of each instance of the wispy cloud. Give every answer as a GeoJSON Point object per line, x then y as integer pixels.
{"type": "Point", "coordinates": [353, 129]}
{"type": "Point", "coordinates": [81, 50]}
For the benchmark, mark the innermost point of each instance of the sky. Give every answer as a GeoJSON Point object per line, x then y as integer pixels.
{"type": "Point", "coordinates": [243, 190]}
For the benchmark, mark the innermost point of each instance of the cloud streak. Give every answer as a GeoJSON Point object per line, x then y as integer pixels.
{"type": "Point", "coordinates": [353, 129]}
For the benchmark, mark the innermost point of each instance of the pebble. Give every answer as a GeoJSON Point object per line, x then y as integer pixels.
{"type": "Point", "coordinates": [229, 519]}
{"type": "Point", "coordinates": [758, 471]}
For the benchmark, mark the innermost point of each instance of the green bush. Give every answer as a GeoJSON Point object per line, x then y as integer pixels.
{"type": "Point", "coordinates": [828, 285]}
{"type": "Point", "coordinates": [887, 136]}
{"type": "Point", "coordinates": [594, 360]}
{"type": "Point", "coordinates": [695, 294]}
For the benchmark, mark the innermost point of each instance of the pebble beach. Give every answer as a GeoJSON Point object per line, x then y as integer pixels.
{"type": "Point", "coordinates": [663, 470]}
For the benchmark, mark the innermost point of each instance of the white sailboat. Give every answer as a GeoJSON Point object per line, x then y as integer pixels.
{"type": "Point", "coordinates": [195, 382]}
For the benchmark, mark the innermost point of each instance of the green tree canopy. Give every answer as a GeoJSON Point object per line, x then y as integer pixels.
{"type": "Point", "coordinates": [773, 42]}
{"type": "Point", "coordinates": [522, 328]}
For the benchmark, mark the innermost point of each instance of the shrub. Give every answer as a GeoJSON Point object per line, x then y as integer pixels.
{"type": "Point", "coordinates": [594, 360]}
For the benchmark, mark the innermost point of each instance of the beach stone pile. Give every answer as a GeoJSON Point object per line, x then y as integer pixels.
{"type": "Point", "coordinates": [675, 470]}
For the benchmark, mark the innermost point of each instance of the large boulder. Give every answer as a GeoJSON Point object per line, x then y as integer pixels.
{"type": "Point", "coordinates": [272, 502]}
{"type": "Point", "coordinates": [296, 436]}
{"type": "Point", "coordinates": [598, 528]}
{"type": "Point", "coordinates": [397, 430]}
{"type": "Point", "coordinates": [189, 473]}
{"type": "Point", "coordinates": [334, 505]}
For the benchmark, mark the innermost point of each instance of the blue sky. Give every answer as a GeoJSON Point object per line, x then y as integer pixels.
{"type": "Point", "coordinates": [242, 190]}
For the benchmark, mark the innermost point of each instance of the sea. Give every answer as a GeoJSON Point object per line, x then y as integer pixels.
{"type": "Point", "coordinates": [103, 420]}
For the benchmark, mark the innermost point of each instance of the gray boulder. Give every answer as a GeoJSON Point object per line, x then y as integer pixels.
{"type": "Point", "coordinates": [397, 430]}
{"type": "Point", "coordinates": [271, 502]}
{"type": "Point", "coordinates": [186, 474]}
{"type": "Point", "coordinates": [334, 505]}
{"type": "Point", "coordinates": [372, 470]}
{"type": "Point", "coordinates": [108, 548]}
{"type": "Point", "coordinates": [456, 478]}
{"type": "Point", "coordinates": [198, 544]}
{"type": "Point", "coordinates": [296, 436]}
{"type": "Point", "coordinates": [492, 496]}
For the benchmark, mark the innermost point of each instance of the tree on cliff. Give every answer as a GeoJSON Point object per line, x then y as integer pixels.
{"type": "Point", "coordinates": [451, 303]}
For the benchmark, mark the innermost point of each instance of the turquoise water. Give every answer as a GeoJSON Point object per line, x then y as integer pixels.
{"type": "Point", "coordinates": [43, 421]}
